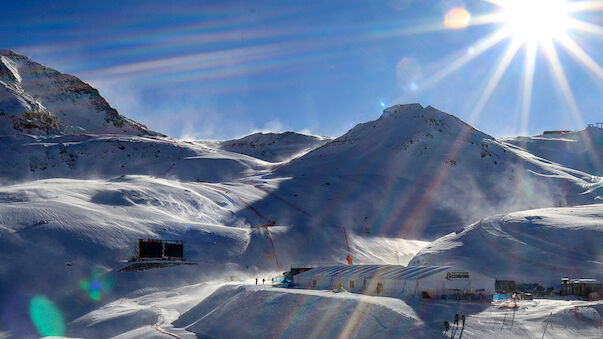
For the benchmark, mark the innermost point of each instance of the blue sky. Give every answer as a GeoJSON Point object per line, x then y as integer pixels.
{"type": "Point", "coordinates": [223, 69]}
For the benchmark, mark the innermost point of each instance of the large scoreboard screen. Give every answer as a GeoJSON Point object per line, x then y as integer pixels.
{"type": "Point", "coordinates": [173, 249]}
{"type": "Point", "coordinates": [150, 249]}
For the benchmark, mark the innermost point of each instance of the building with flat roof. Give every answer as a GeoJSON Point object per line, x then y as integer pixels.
{"type": "Point", "coordinates": [582, 287]}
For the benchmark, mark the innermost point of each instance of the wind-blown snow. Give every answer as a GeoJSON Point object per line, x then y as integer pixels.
{"type": "Point", "coordinates": [581, 150]}
{"type": "Point", "coordinates": [419, 173]}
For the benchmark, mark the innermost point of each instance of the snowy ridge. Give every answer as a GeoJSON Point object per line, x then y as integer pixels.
{"type": "Point", "coordinates": [25, 158]}
{"type": "Point", "coordinates": [274, 147]}
{"type": "Point", "coordinates": [35, 99]}
{"type": "Point", "coordinates": [581, 150]}
{"type": "Point", "coordinates": [417, 173]}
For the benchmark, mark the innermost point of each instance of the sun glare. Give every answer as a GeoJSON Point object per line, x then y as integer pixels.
{"type": "Point", "coordinates": [535, 20]}
{"type": "Point", "coordinates": [538, 26]}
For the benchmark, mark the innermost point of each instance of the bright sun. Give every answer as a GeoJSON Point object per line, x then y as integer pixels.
{"type": "Point", "coordinates": [538, 26]}
{"type": "Point", "coordinates": [535, 20]}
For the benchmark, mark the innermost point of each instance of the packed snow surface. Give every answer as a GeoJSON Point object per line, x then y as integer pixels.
{"type": "Point", "coordinates": [219, 310]}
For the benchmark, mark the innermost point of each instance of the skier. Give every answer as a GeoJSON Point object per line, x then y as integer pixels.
{"type": "Point", "coordinates": [264, 280]}
{"type": "Point", "coordinates": [446, 326]}
{"type": "Point", "coordinates": [256, 281]}
{"type": "Point", "coordinates": [463, 320]}
{"type": "Point", "coordinates": [456, 319]}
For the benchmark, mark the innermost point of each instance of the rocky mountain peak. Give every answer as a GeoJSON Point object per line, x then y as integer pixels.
{"type": "Point", "coordinates": [35, 99]}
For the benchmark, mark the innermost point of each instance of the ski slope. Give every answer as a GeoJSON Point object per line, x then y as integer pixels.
{"type": "Point", "coordinates": [202, 310]}
{"type": "Point", "coordinates": [541, 245]}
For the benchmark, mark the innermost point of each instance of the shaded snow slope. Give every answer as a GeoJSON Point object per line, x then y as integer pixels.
{"type": "Point", "coordinates": [416, 173]}
{"type": "Point", "coordinates": [274, 147]}
{"type": "Point", "coordinates": [530, 246]}
{"type": "Point", "coordinates": [35, 99]}
{"type": "Point", "coordinates": [581, 150]}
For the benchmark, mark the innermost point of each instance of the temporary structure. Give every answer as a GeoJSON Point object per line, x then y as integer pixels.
{"type": "Point", "coordinates": [399, 281]}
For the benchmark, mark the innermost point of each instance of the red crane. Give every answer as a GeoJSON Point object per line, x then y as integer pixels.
{"type": "Point", "coordinates": [349, 257]}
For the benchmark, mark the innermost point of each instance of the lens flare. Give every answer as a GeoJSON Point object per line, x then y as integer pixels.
{"type": "Point", "coordinates": [457, 18]}
{"type": "Point", "coordinates": [96, 286]}
{"type": "Point", "coordinates": [46, 317]}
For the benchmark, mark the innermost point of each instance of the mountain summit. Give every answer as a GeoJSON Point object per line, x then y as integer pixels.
{"type": "Point", "coordinates": [35, 99]}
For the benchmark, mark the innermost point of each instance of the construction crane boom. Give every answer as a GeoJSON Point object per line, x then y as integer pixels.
{"type": "Point", "coordinates": [349, 257]}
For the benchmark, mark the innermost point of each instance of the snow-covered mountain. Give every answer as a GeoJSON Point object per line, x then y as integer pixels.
{"type": "Point", "coordinates": [24, 158]}
{"type": "Point", "coordinates": [274, 147]}
{"type": "Point", "coordinates": [417, 173]}
{"type": "Point", "coordinates": [581, 150]}
{"type": "Point", "coordinates": [35, 99]}
{"type": "Point", "coordinates": [75, 197]}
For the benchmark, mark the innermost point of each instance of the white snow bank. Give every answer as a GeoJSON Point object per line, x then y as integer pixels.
{"type": "Point", "coordinates": [264, 312]}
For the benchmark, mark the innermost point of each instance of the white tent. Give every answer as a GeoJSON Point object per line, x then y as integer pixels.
{"type": "Point", "coordinates": [399, 281]}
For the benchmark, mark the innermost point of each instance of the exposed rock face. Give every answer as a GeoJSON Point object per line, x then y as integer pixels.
{"type": "Point", "coordinates": [35, 99]}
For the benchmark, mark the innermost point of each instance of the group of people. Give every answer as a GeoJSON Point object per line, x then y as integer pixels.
{"type": "Point", "coordinates": [456, 322]}
{"type": "Point", "coordinates": [263, 281]}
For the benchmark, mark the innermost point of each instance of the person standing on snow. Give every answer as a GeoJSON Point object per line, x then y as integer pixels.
{"type": "Point", "coordinates": [256, 281]}
{"type": "Point", "coordinates": [446, 326]}
{"type": "Point", "coordinates": [263, 281]}
{"type": "Point", "coordinates": [456, 319]}
{"type": "Point", "coordinates": [463, 320]}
